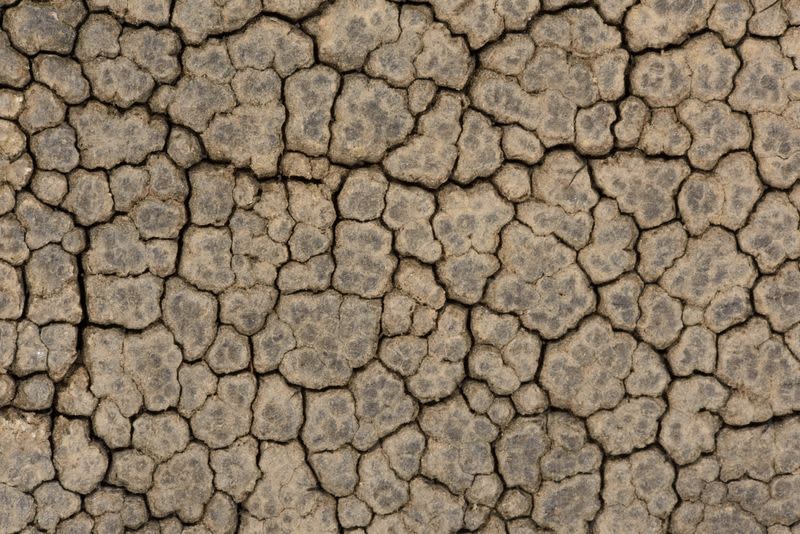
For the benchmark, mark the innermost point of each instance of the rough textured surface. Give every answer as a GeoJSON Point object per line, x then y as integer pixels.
{"type": "Point", "coordinates": [389, 267]}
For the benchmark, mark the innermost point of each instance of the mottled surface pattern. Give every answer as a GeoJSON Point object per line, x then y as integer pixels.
{"type": "Point", "coordinates": [389, 267]}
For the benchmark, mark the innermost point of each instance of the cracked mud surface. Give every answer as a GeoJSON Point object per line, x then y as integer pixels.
{"type": "Point", "coordinates": [383, 267]}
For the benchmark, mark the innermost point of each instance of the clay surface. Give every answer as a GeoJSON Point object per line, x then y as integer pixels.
{"type": "Point", "coordinates": [388, 267]}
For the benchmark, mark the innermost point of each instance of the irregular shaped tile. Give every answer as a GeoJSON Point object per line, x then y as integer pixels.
{"type": "Point", "coordinates": [26, 457]}
{"type": "Point", "coordinates": [429, 155]}
{"type": "Point", "coordinates": [360, 130]}
{"type": "Point", "coordinates": [277, 410]}
{"type": "Point", "coordinates": [287, 494]}
{"type": "Point", "coordinates": [15, 70]}
{"type": "Point", "coordinates": [776, 138]}
{"type": "Point", "coordinates": [638, 493]}
{"type": "Point", "coordinates": [478, 145]}
{"type": "Point", "coordinates": [458, 444]}
{"type": "Point", "coordinates": [197, 19]}
{"type": "Point", "coordinates": [348, 30]}
{"type": "Point", "coordinates": [772, 234]}
{"type": "Point", "coordinates": [182, 484]}
{"type": "Point", "coordinates": [631, 425]}
{"type": "Point", "coordinates": [689, 427]}
{"type": "Point", "coordinates": [724, 197]}
{"type": "Point", "coordinates": [107, 137]}
{"type": "Point", "coordinates": [79, 461]}
{"type": "Point", "coordinates": [660, 321]}
{"type": "Point", "coordinates": [716, 130]}
{"type": "Point", "coordinates": [119, 81]}
{"type": "Point", "coordinates": [654, 24]}
{"type": "Point", "coordinates": [344, 329]}
{"type": "Point", "coordinates": [549, 509]}
{"type": "Point", "coordinates": [151, 359]}
{"type": "Point", "coordinates": [206, 258]}
{"type": "Point", "coordinates": [584, 371]}
{"type": "Point", "coordinates": [711, 264]}
{"type": "Point", "coordinates": [44, 26]}
{"type": "Point", "coordinates": [609, 252]}
{"type": "Point", "coordinates": [51, 276]}
{"type": "Point", "coordinates": [760, 82]}
{"type": "Point", "coordinates": [364, 259]}
{"type": "Point", "coordinates": [775, 296]}
{"type": "Point", "coordinates": [759, 369]}
{"type": "Point", "coordinates": [309, 98]}
{"type": "Point", "coordinates": [550, 294]}
{"type": "Point", "coordinates": [642, 186]}
{"type": "Point", "coordinates": [161, 435]}
{"type": "Point", "coordinates": [381, 405]}
{"type": "Point", "coordinates": [132, 302]}
{"type": "Point", "coordinates": [226, 416]}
